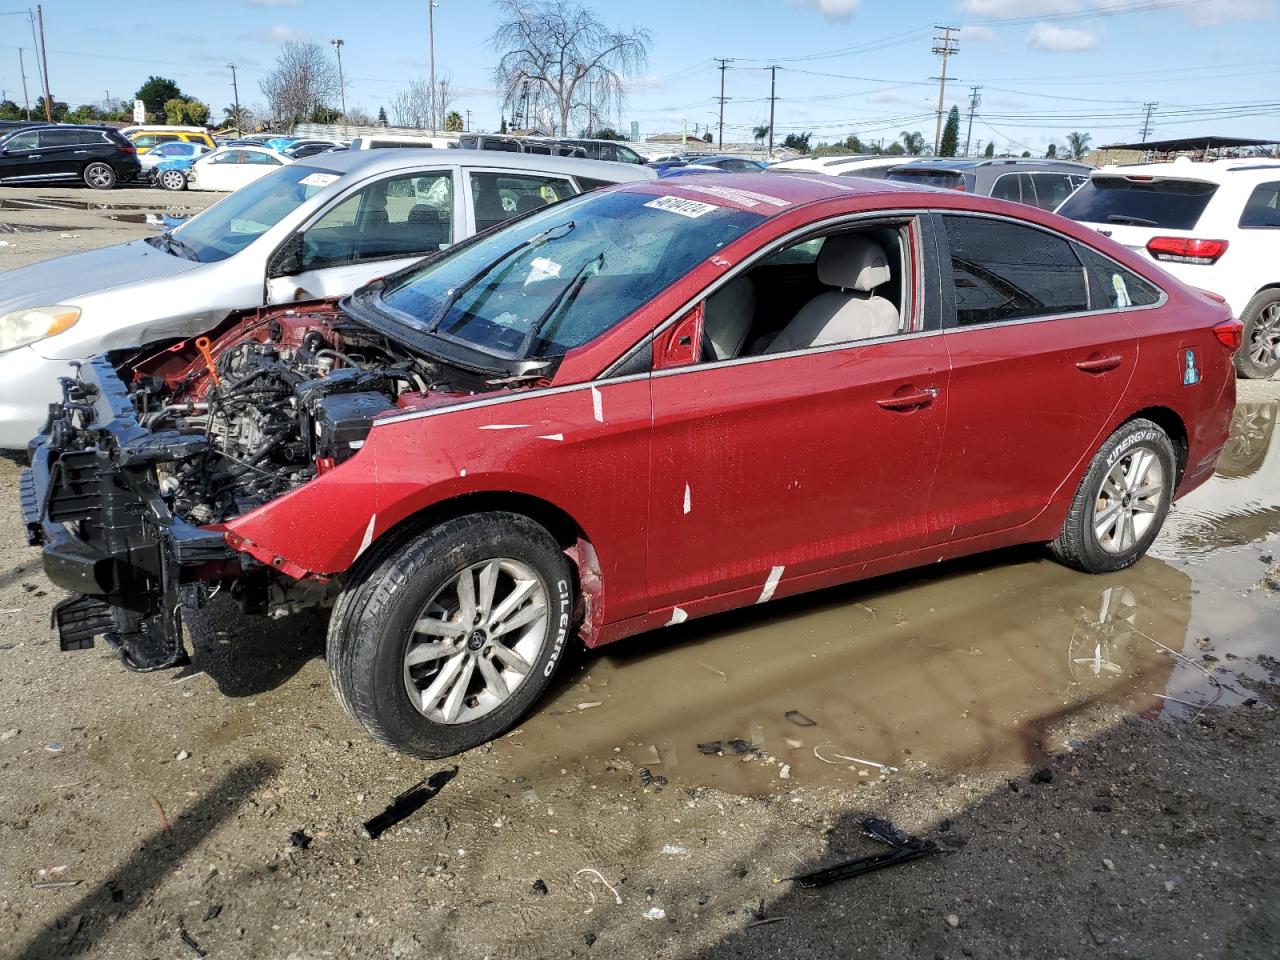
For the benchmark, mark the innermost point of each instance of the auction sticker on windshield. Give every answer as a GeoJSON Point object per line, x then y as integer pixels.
{"type": "Point", "coordinates": [686, 208]}
{"type": "Point", "coordinates": [318, 179]}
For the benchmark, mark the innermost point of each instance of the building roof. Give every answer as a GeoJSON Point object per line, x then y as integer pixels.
{"type": "Point", "coordinates": [1188, 143]}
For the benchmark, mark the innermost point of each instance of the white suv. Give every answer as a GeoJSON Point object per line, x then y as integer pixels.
{"type": "Point", "coordinates": [1213, 224]}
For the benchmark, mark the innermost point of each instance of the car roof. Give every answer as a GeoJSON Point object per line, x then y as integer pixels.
{"type": "Point", "coordinates": [950, 163]}
{"type": "Point", "coordinates": [779, 191]}
{"type": "Point", "coordinates": [377, 161]}
{"type": "Point", "coordinates": [1246, 169]}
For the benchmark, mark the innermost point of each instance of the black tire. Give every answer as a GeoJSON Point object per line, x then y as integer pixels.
{"type": "Point", "coordinates": [99, 175]}
{"type": "Point", "coordinates": [370, 629]}
{"type": "Point", "coordinates": [172, 180]}
{"type": "Point", "coordinates": [1079, 545]}
{"type": "Point", "coordinates": [1259, 355]}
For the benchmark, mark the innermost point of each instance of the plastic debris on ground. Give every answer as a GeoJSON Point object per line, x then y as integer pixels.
{"type": "Point", "coordinates": [905, 848]}
{"type": "Point", "coordinates": [408, 803]}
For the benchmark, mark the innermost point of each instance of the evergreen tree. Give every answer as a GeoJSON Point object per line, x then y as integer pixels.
{"type": "Point", "coordinates": [950, 134]}
{"type": "Point", "coordinates": [991, 149]}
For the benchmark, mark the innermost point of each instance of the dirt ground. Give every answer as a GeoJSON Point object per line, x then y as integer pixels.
{"type": "Point", "coordinates": [1049, 732]}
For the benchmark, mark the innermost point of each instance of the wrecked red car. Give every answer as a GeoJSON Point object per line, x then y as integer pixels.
{"type": "Point", "coordinates": [641, 405]}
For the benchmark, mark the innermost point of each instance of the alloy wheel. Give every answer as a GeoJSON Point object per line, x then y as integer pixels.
{"type": "Point", "coordinates": [1264, 339]}
{"type": "Point", "coordinates": [100, 176]}
{"type": "Point", "coordinates": [476, 641]}
{"type": "Point", "coordinates": [1129, 499]}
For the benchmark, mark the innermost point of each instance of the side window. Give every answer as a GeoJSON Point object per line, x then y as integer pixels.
{"type": "Point", "coordinates": [404, 216]}
{"type": "Point", "coordinates": [796, 254]}
{"type": "Point", "coordinates": [1008, 187]}
{"type": "Point", "coordinates": [590, 183]}
{"type": "Point", "coordinates": [627, 155]}
{"type": "Point", "coordinates": [21, 141]}
{"type": "Point", "coordinates": [1111, 285]}
{"type": "Point", "coordinates": [252, 156]}
{"type": "Point", "coordinates": [62, 138]}
{"type": "Point", "coordinates": [1262, 210]}
{"type": "Point", "coordinates": [145, 140]}
{"type": "Point", "coordinates": [231, 156]}
{"type": "Point", "coordinates": [1004, 271]}
{"type": "Point", "coordinates": [501, 196]}
{"type": "Point", "coordinates": [1051, 189]}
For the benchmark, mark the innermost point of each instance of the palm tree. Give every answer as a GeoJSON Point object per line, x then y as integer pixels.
{"type": "Point", "coordinates": [1078, 145]}
{"type": "Point", "coordinates": [760, 132]}
{"type": "Point", "coordinates": [913, 142]}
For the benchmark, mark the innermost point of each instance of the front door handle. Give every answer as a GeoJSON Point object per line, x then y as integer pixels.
{"type": "Point", "coordinates": [1099, 364]}
{"type": "Point", "coordinates": [909, 401]}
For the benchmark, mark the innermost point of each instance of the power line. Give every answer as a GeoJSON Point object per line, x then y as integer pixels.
{"type": "Point", "coordinates": [944, 47]}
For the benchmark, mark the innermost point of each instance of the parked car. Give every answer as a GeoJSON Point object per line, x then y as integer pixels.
{"type": "Point", "coordinates": [605, 149]}
{"type": "Point", "coordinates": [317, 228]}
{"type": "Point", "coordinates": [380, 141]}
{"type": "Point", "coordinates": [230, 168]}
{"type": "Point", "coordinates": [96, 156]}
{"type": "Point", "coordinates": [171, 151]}
{"type": "Point", "coordinates": [871, 166]}
{"type": "Point", "coordinates": [730, 164]}
{"type": "Point", "coordinates": [542, 146]}
{"type": "Point", "coordinates": [1214, 224]}
{"type": "Point", "coordinates": [146, 139]}
{"type": "Point", "coordinates": [309, 148]}
{"type": "Point", "coordinates": [1037, 183]}
{"type": "Point", "coordinates": [172, 173]}
{"type": "Point", "coordinates": [647, 404]}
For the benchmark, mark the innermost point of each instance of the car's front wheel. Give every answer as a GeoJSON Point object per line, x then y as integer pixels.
{"type": "Point", "coordinates": [100, 176]}
{"type": "Point", "coordinates": [173, 179]}
{"type": "Point", "coordinates": [443, 641]}
{"type": "Point", "coordinates": [1259, 354]}
{"type": "Point", "coordinates": [1122, 501]}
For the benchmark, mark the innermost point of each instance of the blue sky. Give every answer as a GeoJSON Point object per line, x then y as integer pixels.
{"type": "Point", "coordinates": [846, 66]}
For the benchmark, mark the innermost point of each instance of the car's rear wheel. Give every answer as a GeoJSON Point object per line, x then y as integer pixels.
{"type": "Point", "coordinates": [173, 179]}
{"type": "Point", "coordinates": [100, 176]}
{"type": "Point", "coordinates": [1259, 356]}
{"type": "Point", "coordinates": [443, 641]}
{"type": "Point", "coordinates": [1122, 501]}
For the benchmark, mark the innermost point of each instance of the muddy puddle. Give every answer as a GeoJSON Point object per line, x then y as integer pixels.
{"type": "Point", "coordinates": [964, 665]}
{"type": "Point", "coordinates": [158, 214]}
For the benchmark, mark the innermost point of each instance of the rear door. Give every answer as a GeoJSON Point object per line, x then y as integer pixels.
{"type": "Point", "coordinates": [1037, 371]}
{"type": "Point", "coordinates": [495, 196]}
{"type": "Point", "coordinates": [63, 151]}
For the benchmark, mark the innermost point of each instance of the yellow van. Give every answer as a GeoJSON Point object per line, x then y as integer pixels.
{"type": "Point", "coordinates": [144, 138]}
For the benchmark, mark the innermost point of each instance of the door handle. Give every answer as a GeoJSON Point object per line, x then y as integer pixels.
{"type": "Point", "coordinates": [1099, 364]}
{"type": "Point", "coordinates": [82, 151]}
{"type": "Point", "coordinates": [909, 401]}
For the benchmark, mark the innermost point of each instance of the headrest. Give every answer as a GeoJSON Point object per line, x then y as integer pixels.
{"type": "Point", "coordinates": [848, 261]}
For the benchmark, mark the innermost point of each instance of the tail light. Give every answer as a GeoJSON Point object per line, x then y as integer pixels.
{"type": "Point", "coordinates": [1186, 249]}
{"type": "Point", "coordinates": [1230, 334]}
{"type": "Point", "coordinates": [126, 148]}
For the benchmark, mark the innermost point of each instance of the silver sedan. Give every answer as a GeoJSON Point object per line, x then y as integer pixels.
{"type": "Point", "coordinates": [320, 227]}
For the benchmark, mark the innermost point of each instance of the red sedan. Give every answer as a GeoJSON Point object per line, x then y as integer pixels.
{"type": "Point", "coordinates": [645, 404]}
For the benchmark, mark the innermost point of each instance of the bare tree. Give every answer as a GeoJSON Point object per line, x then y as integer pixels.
{"type": "Point", "coordinates": [302, 80]}
{"type": "Point", "coordinates": [565, 52]}
{"type": "Point", "coordinates": [411, 107]}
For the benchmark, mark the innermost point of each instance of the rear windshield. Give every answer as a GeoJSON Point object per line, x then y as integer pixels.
{"type": "Point", "coordinates": [1168, 204]}
{"type": "Point", "coordinates": [930, 178]}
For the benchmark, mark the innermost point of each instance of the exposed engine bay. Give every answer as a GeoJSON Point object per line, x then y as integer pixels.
{"type": "Point", "coordinates": [280, 398]}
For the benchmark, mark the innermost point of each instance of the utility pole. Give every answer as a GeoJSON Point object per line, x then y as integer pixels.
{"type": "Point", "coordinates": [944, 46]}
{"type": "Point", "coordinates": [468, 121]}
{"type": "Point", "coordinates": [22, 71]}
{"type": "Point", "coordinates": [431, 45]}
{"type": "Point", "coordinates": [1150, 106]}
{"type": "Point", "coordinates": [773, 96]}
{"type": "Point", "coordinates": [724, 65]}
{"type": "Point", "coordinates": [235, 92]}
{"type": "Point", "coordinates": [342, 87]}
{"type": "Point", "coordinates": [975, 98]}
{"type": "Point", "coordinates": [44, 56]}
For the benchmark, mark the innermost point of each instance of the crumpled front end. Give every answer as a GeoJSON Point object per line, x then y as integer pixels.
{"type": "Point", "coordinates": [92, 500]}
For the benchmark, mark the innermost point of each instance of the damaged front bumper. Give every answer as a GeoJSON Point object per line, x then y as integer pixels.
{"type": "Point", "coordinates": [91, 499]}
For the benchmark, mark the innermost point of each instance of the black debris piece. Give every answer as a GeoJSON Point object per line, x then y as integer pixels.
{"type": "Point", "coordinates": [647, 777]}
{"type": "Point", "coordinates": [190, 941]}
{"type": "Point", "coordinates": [589, 938]}
{"type": "Point", "coordinates": [799, 719]}
{"type": "Point", "coordinates": [1102, 808]}
{"type": "Point", "coordinates": [1043, 775]}
{"type": "Point", "coordinates": [539, 888]}
{"type": "Point", "coordinates": [408, 803]}
{"type": "Point", "coordinates": [212, 913]}
{"type": "Point", "coordinates": [714, 747]}
{"type": "Point", "coordinates": [909, 848]}
{"type": "Point", "coordinates": [1013, 785]}
{"type": "Point", "coordinates": [299, 839]}
{"type": "Point", "coordinates": [740, 746]}
{"type": "Point", "coordinates": [1266, 558]}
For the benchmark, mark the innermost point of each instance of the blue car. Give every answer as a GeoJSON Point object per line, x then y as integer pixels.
{"type": "Point", "coordinates": [172, 173]}
{"type": "Point", "coordinates": [715, 164]}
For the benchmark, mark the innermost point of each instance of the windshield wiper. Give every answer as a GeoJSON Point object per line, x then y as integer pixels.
{"type": "Point", "coordinates": [175, 244]}
{"type": "Point", "coordinates": [1132, 221]}
{"type": "Point", "coordinates": [572, 287]}
{"type": "Point", "coordinates": [568, 227]}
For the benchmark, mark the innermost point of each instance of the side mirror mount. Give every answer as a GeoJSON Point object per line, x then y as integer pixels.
{"type": "Point", "coordinates": [287, 260]}
{"type": "Point", "coordinates": [681, 345]}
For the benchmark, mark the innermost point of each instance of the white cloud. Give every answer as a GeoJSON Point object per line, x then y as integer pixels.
{"type": "Point", "coordinates": [1048, 36]}
{"type": "Point", "coordinates": [977, 33]}
{"type": "Point", "coordinates": [832, 9]}
{"type": "Point", "coordinates": [1018, 8]}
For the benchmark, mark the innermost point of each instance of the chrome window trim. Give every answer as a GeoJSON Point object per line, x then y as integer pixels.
{"type": "Point", "coordinates": [982, 214]}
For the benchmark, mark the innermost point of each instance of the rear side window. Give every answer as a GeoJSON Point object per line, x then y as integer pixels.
{"type": "Point", "coordinates": [66, 138]}
{"type": "Point", "coordinates": [1004, 271]}
{"type": "Point", "coordinates": [1112, 286]}
{"type": "Point", "coordinates": [1015, 187]}
{"type": "Point", "coordinates": [1169, 204]}
{"type": "Point", "coordinates": [501, 196]}
{"type": "Point", "coordinates": [1051, 189]}
{"type": "Point", "coordinates": [1263, 207]}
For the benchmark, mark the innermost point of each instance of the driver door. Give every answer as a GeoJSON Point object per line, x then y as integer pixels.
{"type": "Point", "coordinates": [376, 230]}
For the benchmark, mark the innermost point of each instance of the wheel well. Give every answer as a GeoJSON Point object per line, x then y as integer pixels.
{"type": "Point", "coordinates": [1172, 424]}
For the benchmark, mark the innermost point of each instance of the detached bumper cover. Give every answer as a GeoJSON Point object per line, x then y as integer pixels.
{"type": "Point", "coordinates": [91, 500]}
